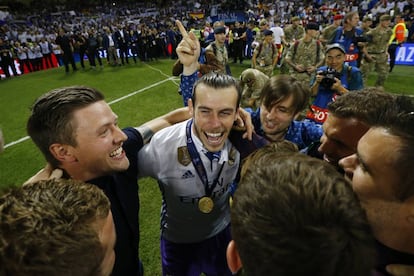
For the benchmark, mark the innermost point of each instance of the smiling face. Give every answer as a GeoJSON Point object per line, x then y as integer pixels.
{"type": "Point", "coordinates": [214, 113]}
{"type": "Point", "coordinates": [276, 120]}
{"type": "Point", "coordinates": [335, 58]}
{"type": "Point", "coordinates": [99, 143]}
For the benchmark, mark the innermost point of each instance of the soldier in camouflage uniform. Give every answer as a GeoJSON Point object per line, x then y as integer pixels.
{"type": "Point", "coordinates": [293, 32]}
{"type": "Point", "coordinates": [258, 37]}
{"type": "Point", "coordinates": [305, 55]}
{"type": "Point", "coordinates": [216, 52]}
{"type": "Point", "coordinates": [265, 55]}
{"type": "Point", "coordinates": [366, 25]}
{"type": "Point", "coordinates": [376, 51]}
{"type": "Point", "coordinates": [252, 82]}
{"type": "Point", "coordinates": [329, 31]}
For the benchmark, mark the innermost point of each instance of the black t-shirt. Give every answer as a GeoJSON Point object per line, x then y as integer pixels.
{"type": "Point", "coordinates": [388, 256]}
{"type": "Point", "coordinates": [122, 190]}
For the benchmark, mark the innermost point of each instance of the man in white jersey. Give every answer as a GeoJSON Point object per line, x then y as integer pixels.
{"type": "Point", "coordinates": [278, 37]}
{"type": "Point", "coordinates": [195, 163]}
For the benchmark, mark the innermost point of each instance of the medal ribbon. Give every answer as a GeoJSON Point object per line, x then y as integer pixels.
{"type": "Point", "coordinates": [198, 164]}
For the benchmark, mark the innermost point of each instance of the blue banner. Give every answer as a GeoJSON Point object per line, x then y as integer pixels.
{"type": "Point", "coordinates": [405, 54]}
{"type": "Point", "coordinates": [230, 17]}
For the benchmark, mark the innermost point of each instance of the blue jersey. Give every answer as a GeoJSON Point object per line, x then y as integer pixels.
{"type": "Point", "coordinates": [301, 133]}
{"type": "Point", "coordinates": [351, 79]}
{"type": "Point", "coordinates": [348, 41]}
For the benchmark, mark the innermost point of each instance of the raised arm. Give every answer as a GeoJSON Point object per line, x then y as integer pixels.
{"type": "Point", "coordinates": [188, 50]}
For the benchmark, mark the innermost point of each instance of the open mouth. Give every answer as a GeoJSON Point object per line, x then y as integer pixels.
{"type": "Point", "coordinates": [116, 153]}
{"type": "Point", "coordinates": [214, 138]}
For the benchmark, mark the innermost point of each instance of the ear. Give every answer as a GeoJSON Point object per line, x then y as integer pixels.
{"type": "Point", "coordinates": [233, 258]}
{"type": "Point", "coordinates": [62, 153]}
{"type": "Point", "coordinates": [191, 107]}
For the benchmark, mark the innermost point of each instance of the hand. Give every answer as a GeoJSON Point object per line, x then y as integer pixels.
{"type": "Point", "coordinates": [400, 270]}
{"type": "Point", "coordinates": [319, 78]}
{"type": "Point", "coordinates": [188, 50]}
{"type": "Point", "coordinates": [46, 173]}
{"type": "Point", "coordinates": [337, 86]}
{"type": "Point", "coordinates": [244, 122]}
{"type": "Point", "coordinates": [300, 68]}
{"type": "Point", "coordinates": [310, 69]}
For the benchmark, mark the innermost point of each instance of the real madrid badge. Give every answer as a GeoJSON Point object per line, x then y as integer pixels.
{"type": "Point", "coordinates": [183, 156]}
{"type": "Point", "coordinates": [205, 204]}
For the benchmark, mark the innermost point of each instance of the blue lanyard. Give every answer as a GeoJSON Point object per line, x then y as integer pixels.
{"type": "Point", "coordinates": [198, 164]}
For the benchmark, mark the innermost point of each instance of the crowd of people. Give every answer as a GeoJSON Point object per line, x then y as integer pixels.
{"type": "Point", "coordinates": [119, 34]}
{"type": "Point", "coordinates": [255, 184]}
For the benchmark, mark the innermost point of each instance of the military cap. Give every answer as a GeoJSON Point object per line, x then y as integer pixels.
{"type": "Point", "coordinates": [295, 18]}
{"type": "Point", "coordinates": [219, 30]}
{"type": "Point", "coordinates": [338, 17]}
{"type": "Point", "coordinates": [267, 32]}
{"type": "Point", "coordinates": [385, 17]}
{"type": "Point", "coordinates": [312, 26]}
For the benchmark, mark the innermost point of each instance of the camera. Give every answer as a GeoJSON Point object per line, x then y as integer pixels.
{"type": "Point", "coordinates": [329, 77]}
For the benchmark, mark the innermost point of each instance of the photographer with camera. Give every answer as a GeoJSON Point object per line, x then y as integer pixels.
{"type": "Point", "coordinates": [331, 80]}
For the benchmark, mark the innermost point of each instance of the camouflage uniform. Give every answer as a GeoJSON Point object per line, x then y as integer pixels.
{"type": "Point", "coordinates": [377, 49]}
{"type": "Point", "coordinates": [306, 54]}
{"type": "Point", "coordinates": [217, 56]}
{"type": "Point", "coordinates": [266, 54]}
{"type": "Point", "coordinates": [252, 82]}
{"type": "Point", "coordinates": [292, 34]}
{"type": "Point", "coordinates": [328, 33]}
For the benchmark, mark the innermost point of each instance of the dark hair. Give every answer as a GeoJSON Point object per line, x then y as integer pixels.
{"type": "Point", "coordinates": [217, 80]}
{"type": "Point", "coordinates": [51, 116]}
{"type": "Point", "coordinates": [283, 147]}
{"type": "Point", "coordinates": [398, 120]}
{"type": "Point", "coordinates": [296, 215]}
{"type": "Point", "coordinates": [364, 105]}
{"type": "Point", "coordinates": [280, 87]}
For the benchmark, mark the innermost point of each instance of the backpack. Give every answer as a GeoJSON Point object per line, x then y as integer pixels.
{"type": "Point", "coordinates": [260, 48]}
{"type": "Point", "coordinates": [227, 67]}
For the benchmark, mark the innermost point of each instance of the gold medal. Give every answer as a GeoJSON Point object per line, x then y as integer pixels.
{"type": "Point", "coordinates": [205, 204]}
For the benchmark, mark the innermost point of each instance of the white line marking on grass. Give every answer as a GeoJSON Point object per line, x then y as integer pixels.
{"type": "Point", "coordinates": [16, 142]}
{"type": "Point", "coordinates": [112, 102]}
{"type": "Point", "coordinates": [174, 80]}
{"type": "Point", "coordinates": [141, 90]}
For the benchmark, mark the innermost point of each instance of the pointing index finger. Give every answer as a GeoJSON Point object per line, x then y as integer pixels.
{"type": "Point", "coordinates": [181, 28]}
